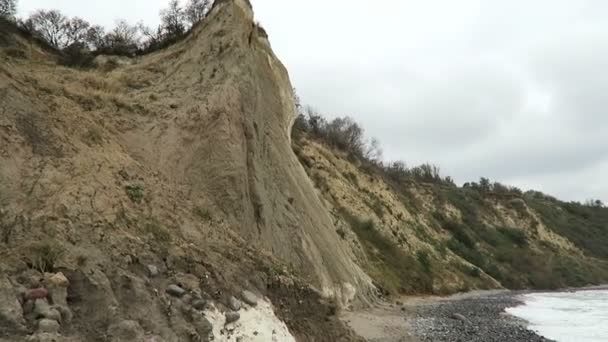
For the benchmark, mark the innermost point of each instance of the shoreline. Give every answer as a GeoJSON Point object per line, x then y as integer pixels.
{"type": "Point", "coordinates": [471, 317]}
{"type": "Point", "coordinates": [475, 316]}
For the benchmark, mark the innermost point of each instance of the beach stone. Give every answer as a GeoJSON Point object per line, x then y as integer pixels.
{"type": "Point", "coordinates": [152, 271]}
{"type": "Point", "coordinates": [234, 304]}
{"type": "Point", "coordinates": [49, 326]}
{"type": "Point", "coordinates": [232, 317]}
{"type": "Point", "coordinates": [459, 317]}
{"type": "Point", "coordinates": [249, 298]}
{"type": "Point", "coordinates": [175, 290]}
{"type": "Point", "coordinates": [199, 304]}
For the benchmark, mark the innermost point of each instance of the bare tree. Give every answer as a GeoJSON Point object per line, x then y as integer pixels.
{"type": "Point", "coordinates": [196, 10]}
{"type": "Point", "coordinates": [373, 152]}
{"type": "Point", "coordinates": [50, 26]}
{"type": "Point", "coordinates": [123, 39]}
{"type": "Point", "coordinates": [172, 19]}
{"type": "Point", "coordinates": [8, 8]}
{"type": "Point", "coordinates": [76, 31]}
{"type": "Point", "coordinates": [95, 37]}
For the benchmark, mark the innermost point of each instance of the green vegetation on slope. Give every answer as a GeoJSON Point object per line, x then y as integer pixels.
{"type": "Point", "coordinates": [522, 240]}
{"type": "Point", "coordinates": [396, 271]}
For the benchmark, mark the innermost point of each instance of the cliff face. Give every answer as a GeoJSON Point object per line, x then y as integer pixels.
{"type": "Point", "coordinates": [228, 142]}
{"type": "Point", "coordinates": [171, 169]}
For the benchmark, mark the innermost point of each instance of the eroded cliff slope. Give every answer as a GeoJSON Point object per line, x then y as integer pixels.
{"type": "Point", "coordinates": [414, 236]}
{"type": "Point", "coordinates": [136, 190]}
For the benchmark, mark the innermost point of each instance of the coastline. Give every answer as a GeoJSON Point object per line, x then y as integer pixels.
{"type": "Point", "coordinates": [433, 318]}
{"type": "Point", "coordinates": [475, 316]}
{"type": "Point", "coordinates": [470, 317]}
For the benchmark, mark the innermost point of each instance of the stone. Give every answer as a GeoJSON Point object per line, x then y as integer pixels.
{"type": "Point", "coordinates": [37, 293]}
{"type": "Point", "coordinates": [203, 327]}
{"type": "Point", "coordinates": [152, 271]}
{"type": "Point", "coordinates": [53, 314]}
{"type": "Point", "coordinates": [66, 313]}
{"type": "Point", "coordinates": [232, 317]}
{"type": "Point", "coordinates": [175, 290]}
{"type": "Point", "coordinates": [11, 312]}
{"type": "Point", "coordinates": [187, 299]}
{"type": "Point", "coordinates": [49, 326]}
{"type": "Point", "coordinates": [459, 317]}
{"type": "Point", "coordinates": [28, 306]}
{"type": "Point", "coordinates": [234, 304]}
{"type": "Point", "coordinates": [125, 331]}
{"type": "Point", "coordinates": [59, 295]}
{"type": "Point", "coordinates": [188, 281]}
{"type": "Point", "coordinates": [249, 298]}
{"type": "Point", "coordinates": [41, 308]}
{"type": "Point", "coordinates": [199, 304]}
{"type": "Point", "coordinates": [58, 279]}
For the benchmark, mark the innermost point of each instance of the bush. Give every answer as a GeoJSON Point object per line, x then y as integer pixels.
{"type": "Point", "coordinates": [158, 232]}
{"type": "Point", "coordinates": [135, 192]}
{"type": "Point", "coordinates": [43, 256]}
{"type": "Point", "coordinates": [517, 236]}
{"type": "Point", "coordinates": [424, 260]}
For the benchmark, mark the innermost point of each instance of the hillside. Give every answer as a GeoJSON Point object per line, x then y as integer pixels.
{"type": "Point", "coordinates": [149, 185]}
{"type": "Point", "coordinates": [414, 236]}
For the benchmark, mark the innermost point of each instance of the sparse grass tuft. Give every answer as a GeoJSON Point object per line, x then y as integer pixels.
{"type": "Point", "coordinates": [158, 231]}
{"type": "Point", "coordinates": [135, 192]}
{"type": "Point", "coordinates": [93, 136]}
{"type": "Point", "coordinates": [43, 255]}
{"type": "Point", "coordinates": [203, 214]}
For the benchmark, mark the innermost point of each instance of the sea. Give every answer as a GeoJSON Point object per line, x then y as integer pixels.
{"type": "Point", "coordinates": [579, 316]}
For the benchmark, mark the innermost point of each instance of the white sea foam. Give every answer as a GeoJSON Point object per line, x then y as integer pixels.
{"type": "Point", "coordinates": [580, 316]}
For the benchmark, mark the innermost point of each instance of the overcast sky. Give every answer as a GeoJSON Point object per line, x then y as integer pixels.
{"type": "Point", "coordinates": [511, 90]}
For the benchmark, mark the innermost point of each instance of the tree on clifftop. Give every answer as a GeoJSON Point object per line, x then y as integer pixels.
{"type": "Point", "coordinates": [8, 8]}
{"type": "Point", "coordinates": [196, 10]}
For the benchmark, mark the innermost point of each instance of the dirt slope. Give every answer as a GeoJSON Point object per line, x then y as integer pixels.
{"type": "Point", "coordinates": [172, 169]}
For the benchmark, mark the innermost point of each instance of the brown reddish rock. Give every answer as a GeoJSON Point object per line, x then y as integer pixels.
{"type": "Point", "coordinates": [39, 293]}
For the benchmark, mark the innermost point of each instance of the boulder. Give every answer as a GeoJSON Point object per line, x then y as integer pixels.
{"type": "Point", "coordinates": [48, 326]}
{"type": "Point", "coordinates": [11, 312]}
{"type": "Point", "coordinates": [66, 313]}
{"type": "Point", "coordinates": [152, 271]}
{"type": "Point", "coordinates": [41, 307]}
{"type": "Point", "coordinates": [459, 317]}
{"type": "Point", "coordinates": [57, 279]}
{"type": "Point", "coordinates": [199, 304]}
{"type": "Point", "coordinates": [175, 290]}
{"type": "Point", "coordinates": [249, 298]}
{"type": "Point", "coordinates": [203, 327]}
{"type": "Point", "coordinates": [232, 317]}
{"type": "Point", "coordinates": [234, 304]}
{"type": "Point", "coordinates": [57, 286]}
{"type": "Point", "coordinates": [37, 293]}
